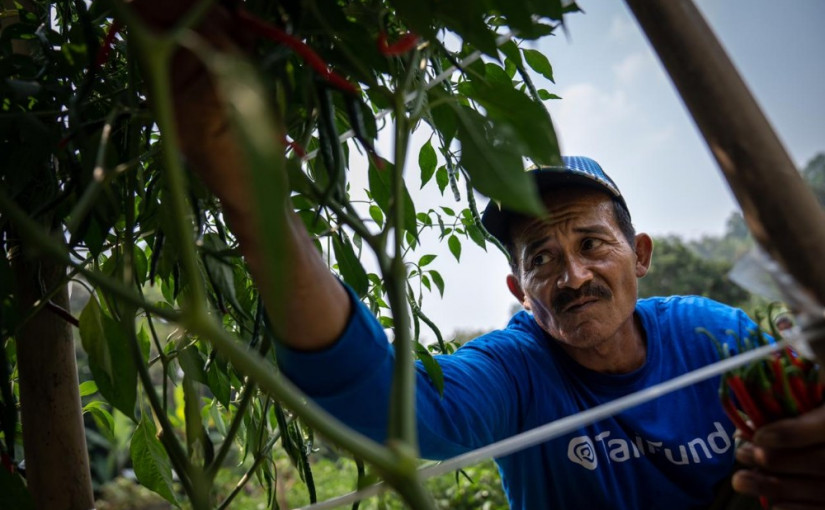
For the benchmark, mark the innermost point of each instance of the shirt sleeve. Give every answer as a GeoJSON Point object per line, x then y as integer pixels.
{"type": "Point", "coordinates": [351, 379]}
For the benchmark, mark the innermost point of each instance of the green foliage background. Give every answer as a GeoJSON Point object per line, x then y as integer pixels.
{"type": "Point", "coordinates": [91, 179]}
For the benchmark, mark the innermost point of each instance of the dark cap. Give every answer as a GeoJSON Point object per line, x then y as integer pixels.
{"type": "Point", "coordinates": [575, 171]}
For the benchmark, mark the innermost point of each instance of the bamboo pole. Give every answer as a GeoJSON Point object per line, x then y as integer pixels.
{"type": "Point", "coordinates": [54, 437]}
{"type": "Point", "coordinates": [780, 211]}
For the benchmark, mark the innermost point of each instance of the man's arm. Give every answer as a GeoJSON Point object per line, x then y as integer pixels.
{"type": "Point", "coordinates": [209, 146]}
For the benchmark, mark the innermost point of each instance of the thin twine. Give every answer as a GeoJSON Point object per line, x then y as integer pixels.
{"type": "Point", "coordinates": [564, 425]}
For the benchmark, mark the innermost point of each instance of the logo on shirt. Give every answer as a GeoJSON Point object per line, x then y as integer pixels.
{"type": "Point", "coordinates": [581, 451]}
{"type": "Point", "coordinates": [585, 451]}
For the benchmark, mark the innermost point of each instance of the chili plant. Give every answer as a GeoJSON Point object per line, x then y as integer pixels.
{"type": "Point", "coordinates": [93, 186]}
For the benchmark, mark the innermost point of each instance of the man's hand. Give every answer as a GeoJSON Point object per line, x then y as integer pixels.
{"type": "Point", "coordinates": [787, 460]}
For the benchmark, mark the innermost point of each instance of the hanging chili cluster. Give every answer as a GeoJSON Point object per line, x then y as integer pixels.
{"type": "Point", "coordinates": [782, 385]}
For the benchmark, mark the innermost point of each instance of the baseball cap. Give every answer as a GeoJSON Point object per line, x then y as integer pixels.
{"type": "Point", "coordinates": [574, 171]}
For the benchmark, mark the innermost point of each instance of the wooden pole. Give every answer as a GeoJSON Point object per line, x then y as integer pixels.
{"type": "Point", "coordinates": [54, 438]}
{"type": "Point", "coordinates": [780, 211]}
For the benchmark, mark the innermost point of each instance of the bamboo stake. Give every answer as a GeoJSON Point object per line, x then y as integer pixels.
{"type": "Point", "coordinates": [779, 209]}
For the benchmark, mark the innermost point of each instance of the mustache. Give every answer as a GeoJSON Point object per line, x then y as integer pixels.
{"type": "Point", "coordinates": [567, 296]}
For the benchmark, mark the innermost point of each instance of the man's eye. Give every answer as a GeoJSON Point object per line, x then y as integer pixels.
{"type": "Point", "coordinates": [591, 243]}
{"type": "Point", "coordinates": [541, 259]}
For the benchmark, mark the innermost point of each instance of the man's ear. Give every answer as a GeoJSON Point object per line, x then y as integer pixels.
{"type": "Point", "coordinates": [644, 254]}
{"type": "Point", "coordinates": [515, 289]}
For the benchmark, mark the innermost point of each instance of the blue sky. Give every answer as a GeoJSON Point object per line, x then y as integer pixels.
{"type": "Point", "coordinates": [620, 108]}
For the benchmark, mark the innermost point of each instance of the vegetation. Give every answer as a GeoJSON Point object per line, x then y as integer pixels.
{"type": "Point", "coordinates": [702, 266]}
{"type": "Point", "coordinates": [181, 383]}
{"type": "Point", "coordinates": [177, 340]}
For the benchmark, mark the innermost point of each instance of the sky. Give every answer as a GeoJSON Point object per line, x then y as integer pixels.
{"type": "Point", "coordinates": [619, 107]}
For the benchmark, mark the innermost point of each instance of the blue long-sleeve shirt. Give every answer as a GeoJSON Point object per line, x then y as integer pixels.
{"type": "Point", "coordinates": [670, 452]}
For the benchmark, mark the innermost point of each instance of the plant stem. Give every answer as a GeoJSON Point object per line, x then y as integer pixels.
{"type": "Point", "coordinates": [243, 405]}
{"type": "Point", "coordinates": [418, 313]}
{"type": "Point", "coordinates": [274, 384]}
{"type": "Point", "coordinates": [161, 50]}
{"type": "Point", "coordinates": [260, 456]}
{"type": "Point", "coordinates": [471, 202]}
{"type": "Point", "coordinates": [166, 434]}
{"type": "Point", "coordinates": [402, 422]}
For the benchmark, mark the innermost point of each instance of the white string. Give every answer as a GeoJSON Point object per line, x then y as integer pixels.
{"type": "Point", "coordinates": [469, 59]}
{"type": "Point", "coordinates": [564, 425]}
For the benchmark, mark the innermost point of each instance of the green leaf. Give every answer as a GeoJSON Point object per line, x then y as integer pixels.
{"type": "Point", "coordinates": [539, 63]}
{"type": "Point", "coordinates": [442, 178]}
{"type": "Point", "coordinates": [410, 221]}
{"type": "Point", "coordinates": [475, 234]}
{"type": "Point", "coordinates": [546, 96]}
{"type": "Point", "coordinates": [431, 366]}
{"type": "Point", "coordinates": [102, 417]}
{"type": "Point", "coordinates": [495, 74]}
{"type": "Point", "coordinates": [425, 259]}
{"type": "Point", "coordinates": [140, 265]}
{"type": "Point", "coordinates": [94, 340]}
{"type": "Point", "coordinates": [191, 362]}
{"type": "Point", "coordinates": [87, 388]}
{"type": "Point", "coordinates": [513, 122]}
{"type": "Point", "coordinates": [218, 382]}
{"type": "Point", "coordinates": [219, 269]}
{"type": "Point", "coordinates": [379, 180]}
{"type": "Point", "coordinates": [144, 343]}
{"type": "Point", "coordinates": [217, 417]}
{"type": "Point", "coordinates": [494, 170]}
{"type": "Point", "coordinates": [455, 246]}
{"type": "Point", "coordinates": [437, 280]}
{"type": "Point", "coordinates": [376, 215]}
{"type": "Point", "coordinates": [110, 358]}
{"type": "Point", "coordinates": [150, 462]}
{"type": "Point", "coordinates": [15, 494]}
{"type": "Point", "coordinates": [426, 281]}
{"type": "Point", "coordinates": [350, 267]}
{"type": "Point", "coordinates": [426, 162]}
{"type": "Point", "coordinates": [443, 119]}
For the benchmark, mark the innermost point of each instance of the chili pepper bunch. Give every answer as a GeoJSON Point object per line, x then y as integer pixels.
{"type": "Point", "coordinates": [783, 385]}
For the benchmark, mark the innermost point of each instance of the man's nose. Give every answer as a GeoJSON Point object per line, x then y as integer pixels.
{"type": "Point", "coordinates": [574, 274]}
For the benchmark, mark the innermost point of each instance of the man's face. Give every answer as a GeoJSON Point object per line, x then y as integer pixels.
{"type": "Point", "coordinates": [576, 271]}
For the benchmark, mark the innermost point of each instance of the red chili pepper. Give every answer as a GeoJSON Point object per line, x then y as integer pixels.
{"type": "Point", "coordinates": [106, 47]}
{"type": "Point", "coordinates": [769, 403]}
{"type": "Point", "coordinates": [736, 418]}
{"type": "Point", "coordinates": [783, 388]}
{"type": "Point", "coordinates": [818, 389]}
{"type": "Point", "coordinates": [754, 413]}
{"type": "Point", "coordinates": [264, 29]}
{"type": "Point", "coordinates": [296, 147]}
{"type": "Point", "coordinates": [794, 358]}
{"type": "Point", "coordinates": [799, 392]}
{"type": "Point", "coordinates": [404, 44]}
{"type": "Point", "coordinates": [5, 460]}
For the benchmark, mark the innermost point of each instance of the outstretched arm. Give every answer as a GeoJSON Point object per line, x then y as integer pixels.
{"type": "Point", "coordinates": [209, 146]}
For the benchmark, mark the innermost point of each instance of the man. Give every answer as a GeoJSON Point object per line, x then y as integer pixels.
{"type": "Point", "coordinates": [586, 341]}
